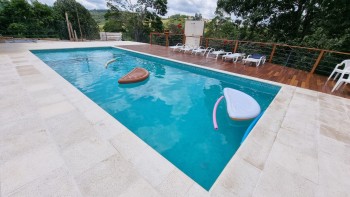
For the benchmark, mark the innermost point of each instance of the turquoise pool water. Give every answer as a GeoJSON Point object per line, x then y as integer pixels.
{"type": "Point", "coordinates": [171, 111]}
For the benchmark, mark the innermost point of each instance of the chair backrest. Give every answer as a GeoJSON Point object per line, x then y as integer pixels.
{"type": "Point", "coordinates": [346, 63]}
{"type": "Point", "coordinates": [256, 56]}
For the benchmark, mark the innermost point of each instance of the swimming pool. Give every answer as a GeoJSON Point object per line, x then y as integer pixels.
{"type": "Point", "coordinates": [171, 111]}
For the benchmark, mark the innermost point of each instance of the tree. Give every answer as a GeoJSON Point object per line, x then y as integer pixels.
{"type": "Point", "coordinates": [197, 17]}
{"type": "Point", "coordinates": [293, 21]}
{"type": "Point", "coordinates": [21, 19]}
{"type": "Point", "coordinates": [88, 25]}
{"type": "Point", "coordinates": [140, 18]}
{"type": "Point", "coordinates": [176, 23]}
{"type": "Point", "coordinates": [114, 20]}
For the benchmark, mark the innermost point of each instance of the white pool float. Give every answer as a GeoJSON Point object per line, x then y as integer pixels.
{"type": "Point", "coordinates": [240, 106]}
{"type": "Point", "coordinates": [110, 61]}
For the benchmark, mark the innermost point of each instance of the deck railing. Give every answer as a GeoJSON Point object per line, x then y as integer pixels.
{"type": "Point", "coordinates": [313, 60]}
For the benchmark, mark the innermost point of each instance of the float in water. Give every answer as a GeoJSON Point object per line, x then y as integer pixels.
{"type": "Point", "coordinates": [136, 75]}
{"type": "Point", "coordinates": [240, 106]}
{"type": "Point", "coordinates": [110, 61]}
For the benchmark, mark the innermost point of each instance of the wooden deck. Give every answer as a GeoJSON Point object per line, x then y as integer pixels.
{"type": "Point", "coordinates": [271, 72]}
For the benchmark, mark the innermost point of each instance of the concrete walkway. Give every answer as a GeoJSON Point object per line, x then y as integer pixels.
{"type": "Point", "coordinates": [54, 141]}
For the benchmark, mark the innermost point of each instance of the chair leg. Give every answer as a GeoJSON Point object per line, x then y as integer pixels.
{"type": "Point", "coordinates": [340, 84]}
{"type": "Point", "coordinates": [258, 63]}
{"type": "Point", "coordinates": [330, 76]}
{"type": "Point", "coordinates": [336, 76]}
{"type": "Point", "coordinates": [337, 85]}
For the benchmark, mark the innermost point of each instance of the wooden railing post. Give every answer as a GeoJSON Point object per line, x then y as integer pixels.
{"type": "Point", "coordinates": [272, 53]}
{"type": "Point", "coordinates": [166, 39]}
{"type": "Point", "coordinates": [317, 62]}
{"type": "Point", "coordinates": [150, 38]}
{"type": "Point", "coordinates": [206, 42]}
{"type": "Point", "coordinates": [236, 46]}
{"type": "Point", "coordinates": [183, 39]}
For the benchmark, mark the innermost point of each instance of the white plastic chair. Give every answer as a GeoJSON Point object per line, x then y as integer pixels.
{"type": "Point", "coordinates": [178, 46]}
{"type": "Point", "coordinates": [187, 48]}
{"type": "Point", "coordinates": [216, 53]}
{"type": "Point", "coordinates": [255, 58]}
{"type": "Point", "coordinates": [234, 56]}
{"type": "Point", "coordinates": [342, 79]}
{"type": "Point", "coordinates": [201, 50]}
{"type": "Point", "coordinates": [338, 70]}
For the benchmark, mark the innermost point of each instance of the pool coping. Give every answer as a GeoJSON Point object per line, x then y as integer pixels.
{"type": "Point", "coordinates": [233, 180]}
{"type": "Point", "coordinates": [169, 164]}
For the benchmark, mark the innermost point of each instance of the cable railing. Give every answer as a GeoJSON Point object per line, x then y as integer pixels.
{"type": "Point", "coordinates": [165, 39]}
{"type": "Point", "coordinates": [312, 60]}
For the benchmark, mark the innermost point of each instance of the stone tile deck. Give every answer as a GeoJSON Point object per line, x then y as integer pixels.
{"type": "Point", "coordinates": [54, 141]}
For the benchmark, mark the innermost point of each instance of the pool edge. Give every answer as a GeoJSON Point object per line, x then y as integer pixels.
{"type": "Point", "coordinates": [224, 171]}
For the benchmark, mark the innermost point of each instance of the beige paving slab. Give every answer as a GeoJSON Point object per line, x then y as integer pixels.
{"type": "Point", "coordinates": [197, 191]}
{"type": "Point", "coordinates": [52, 110]}
{"type": "Point", "coordinates": [341, 135]}
{"type": "Point", "coordinates": [341, 107]}
{"type": "Point", "coordinates": [70, 128]}
{"type": "Point", "coordinates": [46, 97]}
{"type": "Point", "coordinates": [109, 127]}
{"type": "Point", "coordinates": [298, 141]}
{"type": "Point", "coordinates": [110, 177]}
{"type": "Point", "coordinates": [295, 162]}
{"type": "Point", "coordinates": [21, 126]}
{"type": "Point", "coordinates": [275, 181]}
{"type": "Point", "coordinates": [335, 150]}
{"type": "Point", "coordinates": [152, 166]}
{"type": "Point", "coordinates": [334, 177]}
{"type": "Point", "coordinates": [129, 145]}
{"type": "Point", "coordinates": [176, 184]}
{"type": "Point", "coordinates": [15, 145]}
{"type": "Point", "coordinates": [26, 168]}
{"type": "Point", "coordinates": [84, 155]}
{"type": "Point", "coordinates": [140, 187]}
{"type": "Point", "coordinates": [56, 184]}
{"type": "Point", "coordinates": [20, 110]}
{"type": "Point", "coordinates": [26, 70]}
{"type": "Point", "coordinates": [238, 181]}
{"type": "Point", "coordinates": [257, 142]}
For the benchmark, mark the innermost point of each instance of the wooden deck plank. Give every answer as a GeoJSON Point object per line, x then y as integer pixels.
{"type": "Point", "coordinates": [268, 71]}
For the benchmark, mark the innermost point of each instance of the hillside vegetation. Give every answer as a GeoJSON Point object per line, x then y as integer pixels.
{"type": "Point", "coordinates": [99, 17]}
{"type": "Point", "coordinates": [20, 18]}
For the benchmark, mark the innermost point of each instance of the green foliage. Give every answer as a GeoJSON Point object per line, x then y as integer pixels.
{"type": "Point", "coordinates": [176, 23]}
{"type": "Point", "coordinates": [197, 17]}
{"type": "Point", "coordinates": [19, 18]}
{"type": "Point", "coordinates": [17, 29]}
{"type": "Point", "coordinates": [99, 17]}
{"type": "Point", "coordinates": [221, 27]}
{"type": "Point", "coordinates": [89, 28]}
{"type": "Point", "coordinates": [313, 23]}
{"type": "Point", "coordinates": [113, 26]}
{"type": "Point", "coordinates": [136, 20]}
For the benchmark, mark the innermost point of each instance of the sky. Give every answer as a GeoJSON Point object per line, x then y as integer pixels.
{"type": "Point", "coordinates": [187, 7]}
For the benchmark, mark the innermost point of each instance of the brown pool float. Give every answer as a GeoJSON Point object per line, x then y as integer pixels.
{"type": "Point", "coordinates": [136, 75]}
